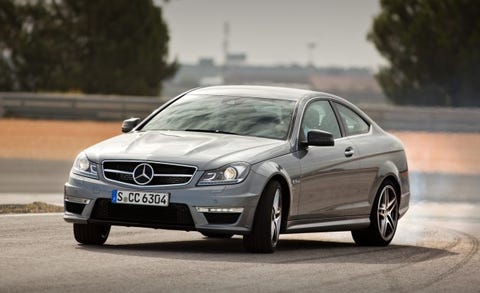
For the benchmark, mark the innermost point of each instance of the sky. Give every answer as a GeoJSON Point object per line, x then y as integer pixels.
{"type": "Point", "coordinates": [274, 31]}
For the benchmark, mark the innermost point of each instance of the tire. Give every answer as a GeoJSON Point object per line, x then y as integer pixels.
{"type": "Point", "coordinates": [216, 235]}
{"type": "Point", "coordinates": [383, 221]}
{"type": "Point", "coordinates": [267, 222]}
{"type": "Point", "coordinates": [91, 233]}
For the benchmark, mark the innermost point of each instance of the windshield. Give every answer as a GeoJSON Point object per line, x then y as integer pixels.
{"type": "Point", "coordinates": [268, 118]}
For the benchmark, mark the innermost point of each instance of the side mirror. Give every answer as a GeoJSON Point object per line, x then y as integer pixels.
{"type": "Point", "coordinates": [130, 124]}
{"type": "Point", "coordinates": [320, 138]}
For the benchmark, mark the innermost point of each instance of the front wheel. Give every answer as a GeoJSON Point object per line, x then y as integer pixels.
{"type": "Point", "coordinates": [267, 223]}
{"type": "Point", "coordinates": [91, 233]}
{"type": "Point", "coordinates": [383, 219]}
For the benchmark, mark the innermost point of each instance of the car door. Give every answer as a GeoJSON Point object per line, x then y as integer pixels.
{"type": "Point", "coordinates": [358, 130]}
{"type": "Point", "coordinates": [328, 173]}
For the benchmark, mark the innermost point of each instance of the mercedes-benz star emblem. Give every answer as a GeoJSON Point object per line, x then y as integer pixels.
{"type": "Point", "coordinates": [143, 174]}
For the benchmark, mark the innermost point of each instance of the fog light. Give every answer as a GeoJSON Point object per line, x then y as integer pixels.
{"type": "Point", "coordinates": [77, 199]}
{"type": "Point", "coordinates": [218, 210]}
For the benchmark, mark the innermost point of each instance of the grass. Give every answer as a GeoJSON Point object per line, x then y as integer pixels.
{"type": "Point", "coordinates": [35, 207]}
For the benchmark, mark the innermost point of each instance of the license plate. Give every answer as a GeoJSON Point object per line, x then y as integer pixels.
{"type": "Point", "coordinates": [141, 198]}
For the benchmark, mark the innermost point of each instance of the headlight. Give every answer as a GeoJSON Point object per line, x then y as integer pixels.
{"type": "Point", "coordinates": [84, 167]}
{"type": "Point", "coordinates": [229, 174]}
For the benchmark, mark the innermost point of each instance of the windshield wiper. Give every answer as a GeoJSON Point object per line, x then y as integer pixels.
{"type": "Point", "coordinates": [210, 131]}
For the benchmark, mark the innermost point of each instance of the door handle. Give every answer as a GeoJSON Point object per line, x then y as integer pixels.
{"type": "Point", "coordinates": [349, 152]}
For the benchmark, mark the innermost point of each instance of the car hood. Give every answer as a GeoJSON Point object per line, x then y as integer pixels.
{"type": "Point", "coordinates": [203, 150]}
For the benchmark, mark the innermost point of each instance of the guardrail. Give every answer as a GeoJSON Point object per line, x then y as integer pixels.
{"type": "Point", "coordinates": [418, 118]}
{"type": "Point", "coordinates": [103, 107]}
{"type": "Point", "coordinates": [75, 106]}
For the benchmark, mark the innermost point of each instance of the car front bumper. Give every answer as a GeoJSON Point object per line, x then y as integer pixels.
{"type": "Point", "coordinates": [220, 209]}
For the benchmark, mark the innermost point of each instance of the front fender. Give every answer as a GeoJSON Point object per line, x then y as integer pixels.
{"type": "Point", "coordinates": [269, 170]}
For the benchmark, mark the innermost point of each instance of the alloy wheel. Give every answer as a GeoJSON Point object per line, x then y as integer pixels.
{"type": "Point", "coordinates": [276, 217]}
{"type": "Point", "coordinates": [387, 212]}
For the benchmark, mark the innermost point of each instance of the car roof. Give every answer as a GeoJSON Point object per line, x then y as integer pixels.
{"type": "Point", "coordinates": [267, 92]}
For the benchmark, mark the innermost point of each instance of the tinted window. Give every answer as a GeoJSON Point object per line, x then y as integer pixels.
{"type": "Point", "coordinates": [319, 115]}
{"type": "Point", "coordinates": [354, 124]}
{"type": "Point", "coordinates": [268, 118]}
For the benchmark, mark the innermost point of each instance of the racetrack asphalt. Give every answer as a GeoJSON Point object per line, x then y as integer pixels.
{"type": "Point", "coordinates": [24, 181]}
{"type": "Point", "coordinates": [435, 249]}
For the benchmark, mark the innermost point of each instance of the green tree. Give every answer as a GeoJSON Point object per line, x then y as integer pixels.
{"type": "Point", "coordinates": [103, 46]}
{"type": "Point", "coordinates": [9, 28]}
{"type": "Point", "coordinates": [433, 48]}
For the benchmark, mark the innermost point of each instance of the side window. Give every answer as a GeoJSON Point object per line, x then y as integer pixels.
{"type": "Point", "coordinates": [319, 115]}
{"type": "Point", "coordinates": [353, 123]}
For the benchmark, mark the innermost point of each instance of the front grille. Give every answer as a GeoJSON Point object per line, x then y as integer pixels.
{"type": "Point", "coordinates": [163, 174]}
{"type": "Point", "coordinates": [73, 207]}
{"type": "Point", "coordinates": [174, 215]}
{"type": "Point", "coordinates": [221, 218]}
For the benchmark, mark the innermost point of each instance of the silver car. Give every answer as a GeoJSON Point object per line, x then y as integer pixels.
{"type": "Point", "coordinates": [244, 160]}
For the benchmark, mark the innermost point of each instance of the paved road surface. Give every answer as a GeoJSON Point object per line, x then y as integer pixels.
{"type": "Point", "coordinates": [33, 176]}
{"type": "Point", "coordinates": [24, 181]}
{"type": "Point", "coordinates": [435, 250]}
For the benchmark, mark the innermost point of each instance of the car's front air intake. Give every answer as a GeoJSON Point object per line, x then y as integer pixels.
{"type": "Point", "coordinates": [147, 173]}
{"type": "Point", "coordinates": [174, 216]}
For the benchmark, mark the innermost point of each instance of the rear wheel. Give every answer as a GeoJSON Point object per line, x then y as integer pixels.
{"type": "Point", "coordinates": [91, 233]}
{"type": "Point", "coordinates": [383, 219]}
{"type": "Point", "coordinates": [216, 235]}
{"type": "Point", "coordinates": [267, 223]}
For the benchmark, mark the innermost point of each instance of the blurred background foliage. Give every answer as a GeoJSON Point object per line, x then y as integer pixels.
{"type": "Point", "coordinates": [433, 48]}
{"type": "Point", "coordinates": [103, 46]}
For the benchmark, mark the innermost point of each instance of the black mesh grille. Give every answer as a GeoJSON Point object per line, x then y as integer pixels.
{"type": "Point", "coordinates": [169, 180]}
{"type": "Point", "coordinates": [73, 207]}
{"type": "Point", "coordinates": [184, 173]}
{"type": "Point", "coordinates": [126, 178]}
{"type": "Point", "coordinates": [221, 218]}
{"type": "Point", "coordinates": [122, 166]}
{"type": "Point", "coordinates": [174, 214]}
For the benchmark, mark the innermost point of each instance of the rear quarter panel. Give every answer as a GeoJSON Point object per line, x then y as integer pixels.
{"type": "Point", "coordinates": [382, 155]}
